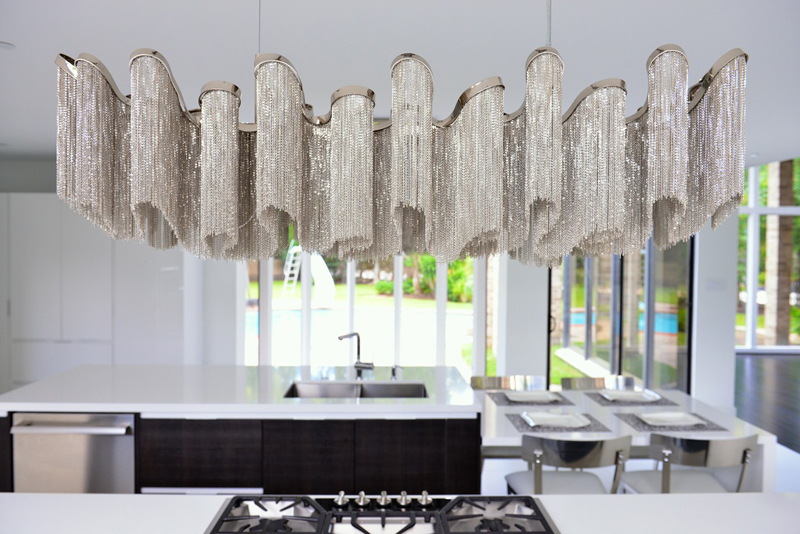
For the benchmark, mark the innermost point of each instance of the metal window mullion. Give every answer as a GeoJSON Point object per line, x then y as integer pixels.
{"type": "Point", "coordinates": [616, 315]}
{"type": "Point", "coordinates": [479, 271]}
{"type": "Point", "coordinates": [398, 305]}
{"type": "Point", "coordinates": [265, 277]}
{"type": "Point", "coordinates": [753, 260]}
{"type": "Point", "coordinates": [649, 314]}
{"type": "Point", "coordinates": [305, 308]}
{"type": "Point", "coordinates": [588, 316]}
{"type": "Point", "coordinates": [441, 313]}
{"type": "Point", "coordinates": [351, 306]}
{"type": "Point", "coordinates": [566, 298]}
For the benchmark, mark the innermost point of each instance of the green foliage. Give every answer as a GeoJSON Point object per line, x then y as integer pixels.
{"type": "Point", "coordinates": [408, 286]}
{"type": "Point", "coordinates": [384, 287]}
{"type": "Point", "coordinates": [459, 281]}
{"type": "Point", "coordinates": [795, 320]}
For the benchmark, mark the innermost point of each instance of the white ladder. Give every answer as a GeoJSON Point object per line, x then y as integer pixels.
{"type": "Point", "coordinates": [291, 269]}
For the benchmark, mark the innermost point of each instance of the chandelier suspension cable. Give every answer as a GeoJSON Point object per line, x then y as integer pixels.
{"type": "Point", "coordinates": [549, 22]}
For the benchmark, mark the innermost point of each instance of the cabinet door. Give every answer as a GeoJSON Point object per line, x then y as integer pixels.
{"type": "Point", "coordinates": [308, 457]}
{"type": "Point", "coordinates": [180, 453]}
{"type": "Point", "coordinates": [5, 454]}
{"type": "Point", "coordinates": [35, 279]}
{"type": "Point", "coordinates": [397, 455]}
{"type": "Point", "coordinates": [86, 253]}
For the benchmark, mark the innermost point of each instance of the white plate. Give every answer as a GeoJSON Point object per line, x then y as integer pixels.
{"type": "Point", "coordinates": [565, 420]}
{"type": "Point", "coordinates": [629, 395]}
{"type": "Point", "coordinates": [670, 419]}
{"type": "Point", "coordinates": [531, 396]}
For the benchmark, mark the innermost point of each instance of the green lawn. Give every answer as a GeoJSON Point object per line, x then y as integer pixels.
{"type": "Point", "coordinates": [560, 369]}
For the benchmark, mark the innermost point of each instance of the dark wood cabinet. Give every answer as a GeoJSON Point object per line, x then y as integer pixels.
{"type": "Point", "coordinates": [193, 453]}
{"type": "Point", "coordinates": [316, 457]}
{"type": "Point", "coordinates": [6, 477]}
{"type": "Point", "coordinates": [441, 456]}
{"type": "Point", "coordinates": [302, 457]}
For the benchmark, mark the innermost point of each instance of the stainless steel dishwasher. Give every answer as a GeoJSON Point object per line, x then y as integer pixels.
{"type": "Point", "coordinates": [73, 453]}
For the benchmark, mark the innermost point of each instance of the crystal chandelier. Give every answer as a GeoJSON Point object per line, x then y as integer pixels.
{"type": "Point", "coordinates": [534, 183]}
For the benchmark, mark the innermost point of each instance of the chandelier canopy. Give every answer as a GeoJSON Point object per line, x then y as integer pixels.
{"type": "Point", "coordinates": [534, 183]}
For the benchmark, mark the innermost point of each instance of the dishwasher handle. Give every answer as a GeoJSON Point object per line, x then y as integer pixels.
{"type": "Point", "coordinates": [27, 428]}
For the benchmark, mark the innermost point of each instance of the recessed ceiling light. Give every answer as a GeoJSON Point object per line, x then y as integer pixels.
{"type": "Point", "coordinates": [5, 45]}
{"type": "Point", "coordinates": [753, 154]}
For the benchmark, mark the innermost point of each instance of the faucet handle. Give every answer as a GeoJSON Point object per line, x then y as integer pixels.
{"type": "Point", "coordinates": [395, 368]}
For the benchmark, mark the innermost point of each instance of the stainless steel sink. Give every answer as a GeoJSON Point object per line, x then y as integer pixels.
{"type": "Point", "coordinates": [339, 389]}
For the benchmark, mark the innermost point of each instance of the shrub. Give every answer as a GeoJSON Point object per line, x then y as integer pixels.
{"type": "Point", "coordinates": [384, 287]}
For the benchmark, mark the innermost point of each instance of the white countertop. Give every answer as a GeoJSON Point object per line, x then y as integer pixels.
{"type": "Point", "coordinates": [572, 514]}
{"type": "Point", "coordinates": [208, 392]}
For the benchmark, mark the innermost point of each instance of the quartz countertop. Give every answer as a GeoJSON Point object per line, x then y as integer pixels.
{"type": "Point", "coordinates": [239, 392]}
{"type": "Point", "coordinates": [572, 514]}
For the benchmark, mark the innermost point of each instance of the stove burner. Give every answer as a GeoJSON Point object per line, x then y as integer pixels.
{"type": "Point", "coordinates": [382, 515]}
{"type": "Point", "coordinates": [491, 525]}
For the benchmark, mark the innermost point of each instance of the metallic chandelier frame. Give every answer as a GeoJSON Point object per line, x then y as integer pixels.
{"type": "Point", "coordinates": [535, 183]}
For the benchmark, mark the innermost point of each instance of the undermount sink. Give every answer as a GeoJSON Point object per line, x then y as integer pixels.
{"type": "Point", "coordinates": [345, 389]}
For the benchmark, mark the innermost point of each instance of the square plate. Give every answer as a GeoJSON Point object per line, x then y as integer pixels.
{"type": "Point", "coordinates": [531, 396]}
{"type": "Point", "coordinates": [670, 419]}
{"type": "Point", "coordinates": [564, 420]}
{"type": "Point", "coordinates": [629, 395]}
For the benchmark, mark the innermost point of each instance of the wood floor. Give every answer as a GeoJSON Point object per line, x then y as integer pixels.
{"type": "Point", "coordinates": [768, 395]}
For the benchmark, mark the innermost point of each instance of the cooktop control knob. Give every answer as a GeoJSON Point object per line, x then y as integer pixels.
{"type": "Point", "coordinates": [383, 500]}
{"type": "Point", "coordinates": [341, 500]}
{"type": "Point", "coordinates": [403, 499]}
{"type": "Point", "coordinates": [362, 500]}
{"type": "Point", "coordinates": [424, 500]}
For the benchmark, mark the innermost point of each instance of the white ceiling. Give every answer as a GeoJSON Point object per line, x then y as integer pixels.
{"type": "Point", "coordinates": [352, 42]}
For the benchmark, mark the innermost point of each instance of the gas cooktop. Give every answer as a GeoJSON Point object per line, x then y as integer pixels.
{"type": "Point", "coordinates": [383, 514]}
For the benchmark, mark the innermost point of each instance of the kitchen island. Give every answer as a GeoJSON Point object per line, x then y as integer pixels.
{"type": "Point", "coordinates": [234, 428]}
{"type": "Point", "coordinates": [571, 514]}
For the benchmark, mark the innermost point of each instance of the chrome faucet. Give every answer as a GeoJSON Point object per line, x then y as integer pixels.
{"type": "Point", "coordinates": [359, 365]}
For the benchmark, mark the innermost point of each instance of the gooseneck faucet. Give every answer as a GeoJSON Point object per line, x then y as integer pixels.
{"type": "Point", "coordinates": [359, 365]}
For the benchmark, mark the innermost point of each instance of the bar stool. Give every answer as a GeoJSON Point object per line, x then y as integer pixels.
{"type": "Point", "coordinates": [572, 454]}
{"type": "Point", "coordinates": [678, 450]}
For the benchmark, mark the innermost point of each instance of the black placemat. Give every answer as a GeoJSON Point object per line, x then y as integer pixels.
{"type": "Point", "coordinates": [500, 399]}
{"type": "Point", "coordinates": [599, 399]}
{"type": "Point", "coordinates": [633, 420]}
{"type": "Point", "coordinates": [520, 424]}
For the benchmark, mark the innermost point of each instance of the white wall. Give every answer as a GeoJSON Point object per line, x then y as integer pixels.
{"type": "Point", "coordinates": [5, 360]}
{"type": "Point", "coordinates": [223, 313]}
{"type": "Point", "coordinates": [714, 314]}
{"type": "Point", "coordinates": [524, 319]}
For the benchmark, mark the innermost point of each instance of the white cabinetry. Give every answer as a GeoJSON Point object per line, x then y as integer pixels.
{"type": "Point", "coordinates": [60, 286]}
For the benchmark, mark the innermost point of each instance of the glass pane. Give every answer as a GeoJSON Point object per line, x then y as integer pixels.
{"type": "Point", "coordinates": [780, 183]}
{"type": "Point", "coordinates": [251, 315]}
{"type": "Point", "coordinates": [329, 312]}
{"type": "Point", "coordinates": [286, 302]}
{"type": "Point", "coordinates": [559, 328]}
{"type": "Point", "coordinates": [600, 323]}
{"type": "Point", "coordinates": [418, 311]}
{"type": "Point", "coordinates": [778, 311]}
{"type": "Point", "coordinates": [374, 310]}
{"type": "Point", "coordinates": [741, 301]}
{"type": "Point", "coordinates": [576, 283]}
{"type": "Point", "coordinates": [671, 283]}
{"type": "Point", "coordinates": [633, 305]}
{"type": "Point", "coordinates": [459, 316]}
{"type": "Point", "coordinates": [492, 312]}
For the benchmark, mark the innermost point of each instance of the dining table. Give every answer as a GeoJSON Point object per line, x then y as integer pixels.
{"type": "Point", "coordinates": [504, 425]}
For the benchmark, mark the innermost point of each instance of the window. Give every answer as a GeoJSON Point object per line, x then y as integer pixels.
{"type": "Point", "coordinates": [623, 315]}
{"type": "Point", "coordinates": [768, 312]}
{"type": "Point", "coordinates": [408, 309]}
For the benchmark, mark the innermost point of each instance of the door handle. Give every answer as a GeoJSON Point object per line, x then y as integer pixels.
{"type": "Point", "coordinates": [30, 429]}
